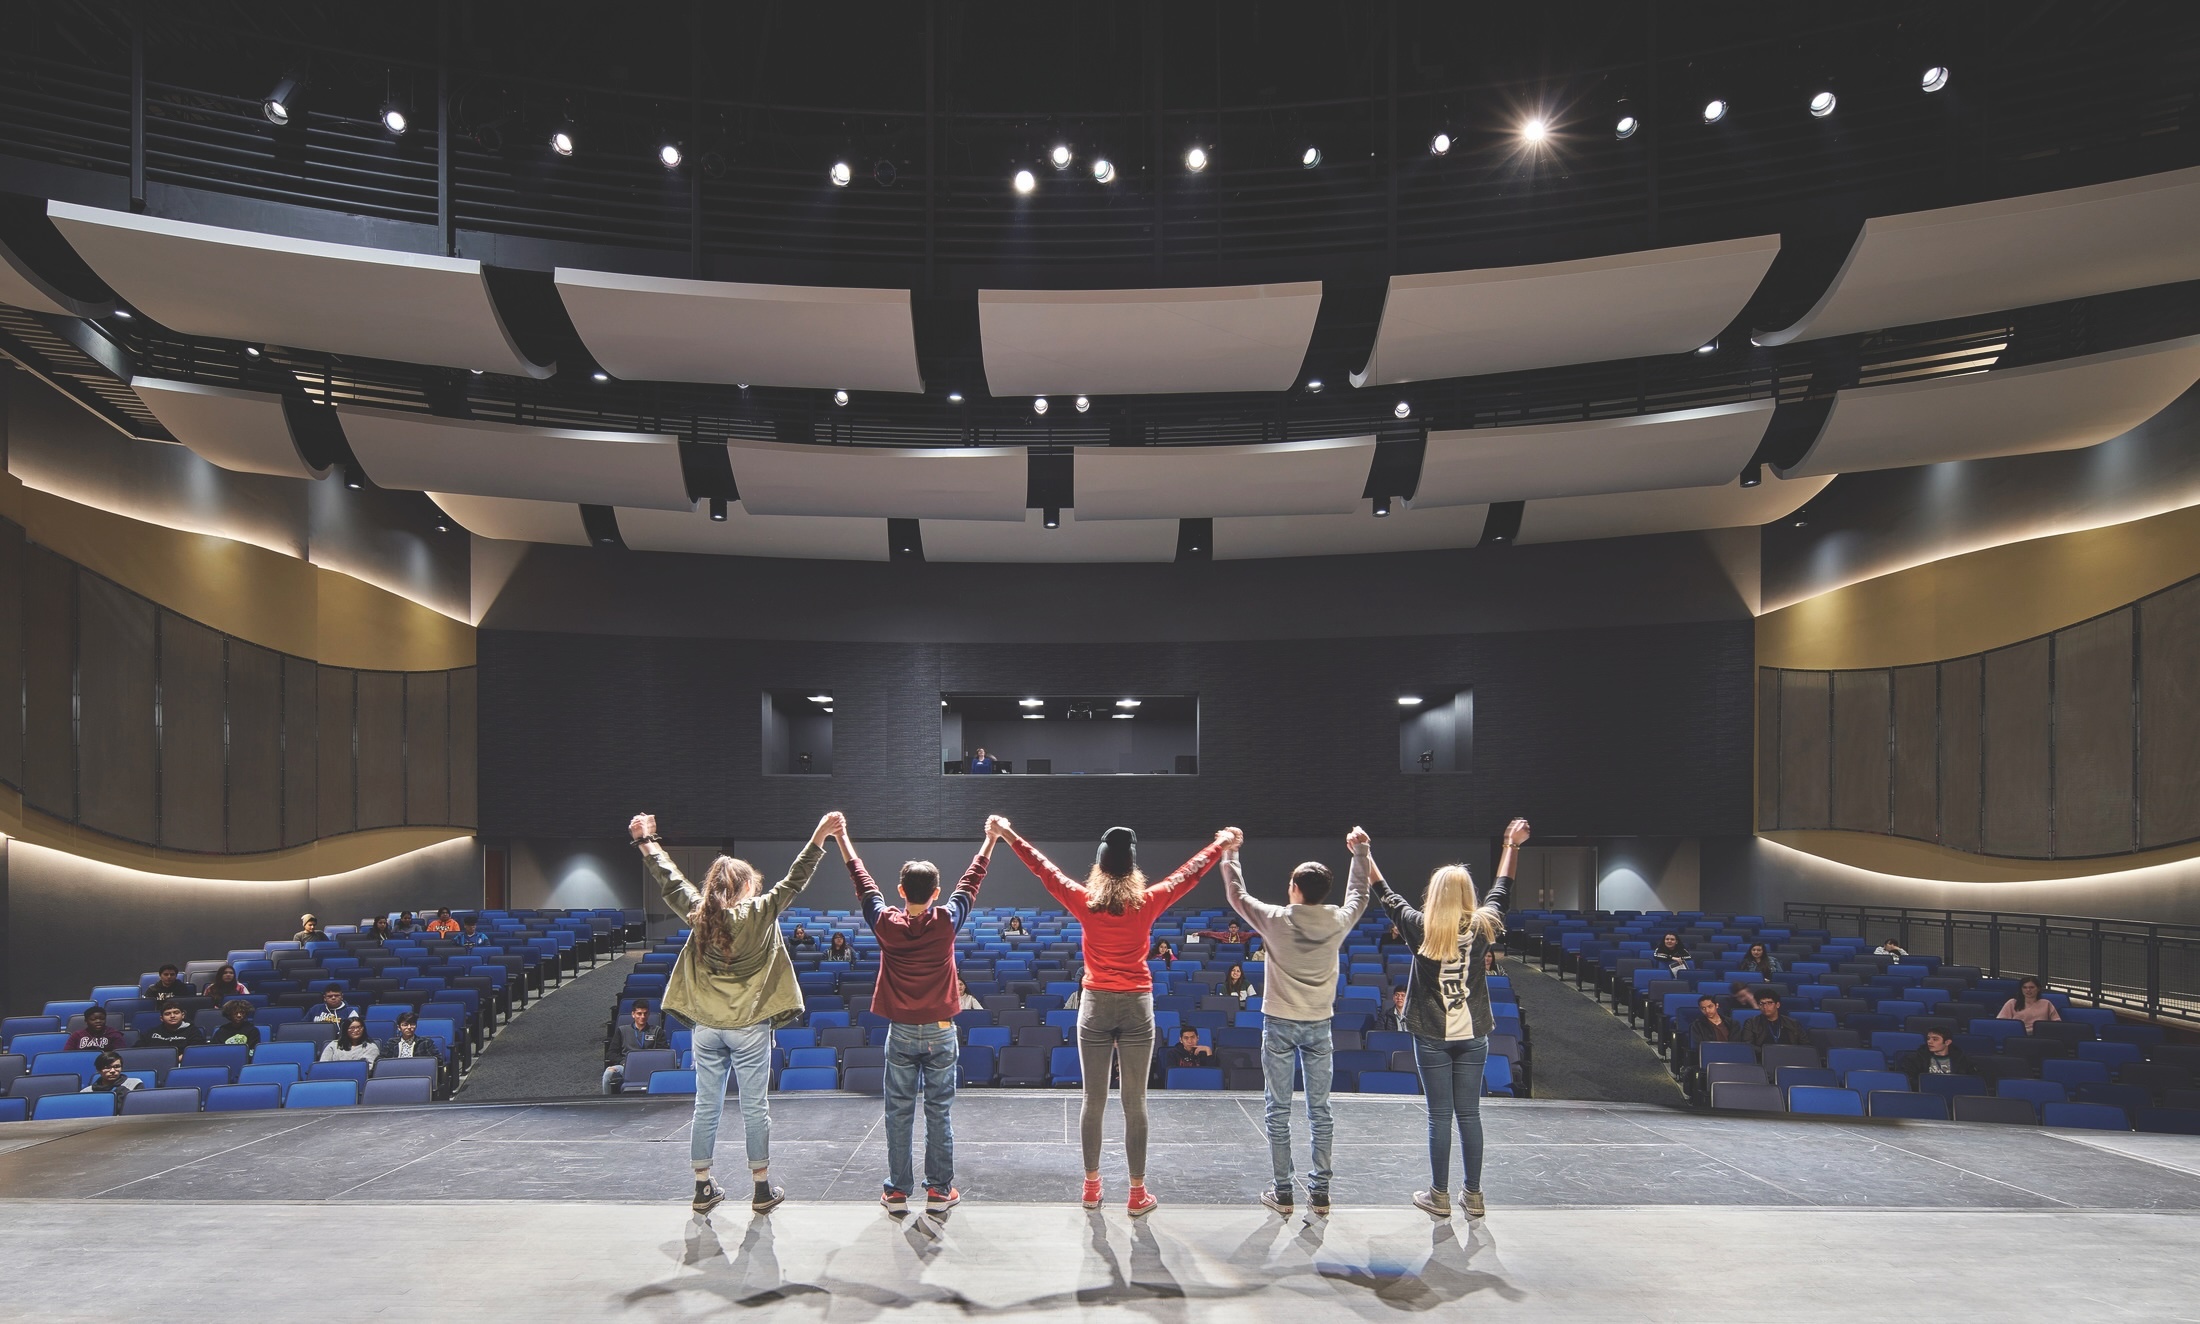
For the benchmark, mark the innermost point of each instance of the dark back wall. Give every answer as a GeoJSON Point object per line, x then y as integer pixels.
{"type": "Point", "coordinates": [1596, 732]}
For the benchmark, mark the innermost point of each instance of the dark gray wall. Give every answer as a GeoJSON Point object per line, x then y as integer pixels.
{"type": "Point", "coordinates": [1104, 746]}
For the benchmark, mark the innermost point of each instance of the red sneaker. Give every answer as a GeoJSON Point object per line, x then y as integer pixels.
{"type": "Point", "coordinates": [937, 1201]}
{"type": "Point", "coordinates": [895, 1201]}
{"type": "Point", "coordinates": [1092, 1194]}
{"type": "Point", "coordinates": [1142, 1201]}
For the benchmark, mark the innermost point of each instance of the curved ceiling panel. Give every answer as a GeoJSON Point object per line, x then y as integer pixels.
{"type": "Point", "coordinates": [1925, 266]}
{"type": "Point", "coordinates": [980, 483]}
{"type": "Point", "coordinates": [653, 328]}
{"type": "Point", "coordinates": [1032, 541]}
{"type": "Point", "coordinates": [743, 534]}
{"type": "Point", "coordinates": [2056, 406]}
{"type": "Point", "coordinates": [1405, 529]}
{"type": "Point", "coordinates": [1641, 453]}
{"type": "Point", "coordinates": [426, 453]}
{"type": "Point", "coordinates": [1146, 342]}
{"type": "Point", "coordinates": [1196, 482]}
{"type": "Point", "coordinates": [514, 520]}
{"type": "Point", "coordinates": [1633, 514]}
{"type": "Point", "coordinates": [245, 431]}
{"type": "Point", "coordinates": [21, 285]}
{"type": "Point", "coordinates": [1504, 319]}
{"type": "Point", "coordinates": [204, 280]}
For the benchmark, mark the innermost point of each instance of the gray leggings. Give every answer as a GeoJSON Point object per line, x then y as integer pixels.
{"type": "Point", "coordinates": [1116, 1026]}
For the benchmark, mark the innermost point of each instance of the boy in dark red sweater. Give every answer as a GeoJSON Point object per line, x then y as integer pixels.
{"type": "Point", "coordinates": [918, 995]}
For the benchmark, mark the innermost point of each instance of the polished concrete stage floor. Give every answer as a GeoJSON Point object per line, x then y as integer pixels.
{"type": "Point", "coordinates": [1598, 1211]}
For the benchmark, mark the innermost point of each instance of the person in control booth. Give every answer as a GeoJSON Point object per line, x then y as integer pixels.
{"type": "Point", "coordinates": [984, 762]}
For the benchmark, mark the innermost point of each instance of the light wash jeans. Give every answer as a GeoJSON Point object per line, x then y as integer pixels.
{"type": "Point", "coordinates": [746, 1054]}
{"type": "Point", "coordinates": [1283, 1045]}
{"type": "Point", "coordinates": [930, 1052]}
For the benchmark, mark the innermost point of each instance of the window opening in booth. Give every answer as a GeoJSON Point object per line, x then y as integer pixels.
{"type": "Point", "coordinates": [798, 733]}
{"type": "Point", "coordinates": [1436, 729]}
{"type": "Point", "coordinates": [1092, 735]}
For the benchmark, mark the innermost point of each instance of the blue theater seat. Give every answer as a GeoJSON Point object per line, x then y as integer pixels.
{"type": "Point", "coordinates": [322, 1093]}
{"type": "Point", "coordinates": [61, 1107]}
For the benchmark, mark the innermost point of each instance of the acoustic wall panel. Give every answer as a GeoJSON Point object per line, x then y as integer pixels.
{"type": "Point", "coordinates": [1805, 749]}
{"type": "Point", "coordinates": [782, 537]}
{"type": "Point", "coordinates": [1962, 750]}
{"type": "Point", "coordinates": [509, 520]}
{"type": "Point", "coordinates": [193, 763]}
{"type": "Point", "coordinates": [14, 566]}
{"type": "Point", "coordinates": [2017, 789]}
{"type": "Point", "coordinates": [1916, 761]}
{"type": "Point", "coordinates": [2093, 735]}
{"type": "Point", "coordinates": [1031, 541]}
{"type": "Point", "coordinates": [381, 736]}
{"type": "Point", "coordinates": [244, 431]}
{"type": "Point", "coordinates": [2169, 716]}
{"type": "Point", "coordinates": [302, 758]}
{"type": "Point", "coordinates": [881, 482]}
{"type": "Point", "coordinates": [1405, 529]}
{"type": "Point", "coordinates": [1768, 748]}
{"type": "Point", "coordinates": [1640, 514]}
{"type": "Point", "coordinates": [118, 749]}
{"type": "Point", "coordinates": [49, 683]}
{"type": "Point", "coordinates": [1862, 713]}
{"type": "Point", "coordinates": [1146, 342]}
{"type": "Point", "coordinates": [465, 762]}
{"type": "Point", "coordinates": [255, 748]}
{"type": "Point", "coordinates": [428, 747]}
{"type": "Point", "coordinates": [336, 706]}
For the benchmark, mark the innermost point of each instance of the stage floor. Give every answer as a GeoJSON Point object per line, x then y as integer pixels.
{"type": "Point", "coordinates": [1598, 1211]}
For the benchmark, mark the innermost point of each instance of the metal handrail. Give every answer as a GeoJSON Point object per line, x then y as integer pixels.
{"type": "Point", "coordinates": [2128, 965]}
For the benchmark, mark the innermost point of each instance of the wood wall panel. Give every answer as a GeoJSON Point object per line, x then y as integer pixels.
{"type": "Point", "coordinates": [193, 761]}
{"type": "Point", "coordinates": [49, 683]}
{"type": "Point", "coordinates": [301, 750]}
{"type": "Point", "coordinates": [1768, 748]}
{"type": "Point", "coordinates": [1805, 741]}
{"type": "Point", "coordinates": [2169, 716]}
{"type": "Point", "coordinates": [428, 747]}
{"type": "Point", "coordinates": [2093, 734]}
{"type": "Point", "coordinates": [2017, 791]}
{"type": "Point", "coordinates": [117, 750]}
{"type": "Point", "coordinates": [14, 552]}
{"type": "Point", "coordinates": [1962, 690]}
{"type": "Point", "coordinates": [1916, 762]}
{"type": "Point", "coordinates": [255, 748]}
{"type": "Point", "coordinates": [465, 717]}
{"type": "Point", "coordinates": [381, 735]}
{"type": "Point", "coordinates": [1862, 708]}
{"type": "Point", "coordinates": [338, 808]}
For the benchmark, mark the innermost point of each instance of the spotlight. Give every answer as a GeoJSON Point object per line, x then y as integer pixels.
{"type": "Point", "coordinates": [668, 156]}
{"type": "Point", "coordinates": [1535, 131]}
{"type": "Point", "coordinates": [954, 397]}
{"type": "Point", "coordinates": [1313, 386]}
{"type": "Point", "coordinates": [278, 104]}
{"type": "Point", "coordinates": [475, 371]}
{"type": "Point", "coordinates": [1404, 409]}
{"type": "Point", "coordinates": [1083, 404]}
{"type": "Point", "coordinates": [393, 119]}
{"type": "Point", "coordinates": [1382, 506]}
{"type": "Point", "coordinates": [1822, 105]}
{"type": "Point", "coordinates": [1122, 717]}
{"type": "Point", "coordinates": [1039, 404]}
{"type": "Point", "coordinates": [1626, 127]}
{"type": "Point", "coordinates": [1128, 703]}
{"type": "Point", "coordinates": [1439, 144]}
{"type": "Point", "coordinates": [353, 479]}
{"type": "Point", "coordinates": [1753, 476]}
{"type": "Point", "coordinates": [1053, 517]}
{"type": "Point", "coordinates": [1409, 701]}
{"type": "Point", "coordinates": [1103, 171]}
{"type": "Point", "coordinates": [1060, 156]}
{"type": "Point", "coordinates": [561, 141]}
{"type": "Point", "coordinates": [1035, 717]}
{"type": "Point", "coordinates": [1802, 518]}
{"type": "Point", "coordinates": [821, 698]}
{"type": "Point", "coordinates": [1025, 182]}
{"type": "Point", "coordinates": [1714, 110]}
{"type": "Point", "coordinates": [1195, 160]}
{"type": "Point", "coordinates": [124, 314]}
{"type": "Point", "coordinates": [441, 524]}
{"type": "Point", "coordinates": [842, 174]}
{"type": "Point", "coordinates": [1708, 347]}
{"type": "Point", "coordinates": [252, 351]}
{"type": "Point", "coordinates": [718, 509]}
{"type": "Point", "coordinates": [599, 375]}
{"type": "Point", "coordinates": [884, 173]}
{"type": "Point", "coordinates": [1031, 703]}
{"type": "Point", "coordinates": [1311, 157]}
{"type": "Point", "coordinates": [1935, 78]}
{"type": "Point", "coordinates": [840, 397]}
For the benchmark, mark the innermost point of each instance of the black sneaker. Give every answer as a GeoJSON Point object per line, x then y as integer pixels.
{"type": "Point", "coordinates": [708, 1196]}
{"type": "Point", "coordinates": [1278, 1199]}
{"type": "Point", "coordinates": [779, 1196]}
{"type": "Point", "coordinates": [1317, 1203]}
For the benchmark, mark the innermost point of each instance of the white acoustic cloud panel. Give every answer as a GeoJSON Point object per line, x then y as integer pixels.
{"type": "Point", "coordinates": [245, 431]}
{"type": "Point", "coordinates": [1640, 453]}
{"type": "Point", "coordinates": [2011, 253]}
{"type": "Point", "coordinates": [651, 328]}
{"type": "Point", "coordinates": [425, 453]}
{"type": "Point", "coordinates": [513, 520]}
{"type": "Point", "coordinates": [1403, 530]}
{"type": "Point", "coordinates": [2055, 406]}
{"type": "Point", "coordinates": [743, 534]}
{"type": "Point", "coordinates": [1146, 342]}
{"type": "Point", "coordinates": [1198, 482]}
{"type": "Point", "coordinates": [1032, 541]}
{"type": "Point", "coordinates": [1504, 319]}
{"type": "Point", "coordinates": [1634, 514]}
{"type": "Point", "coordinates": [204, 280]}
{"type": "Point", "coordinates": [972, 483]}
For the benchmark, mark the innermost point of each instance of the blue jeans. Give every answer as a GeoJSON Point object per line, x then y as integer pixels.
{"type": "Point", "coordinates": [1283, 1045]}
{"type": "Point", "coordinates": [931, 1052]}
{"type": "Point", "coordinates": [1451, 1079]}
{"type": "Point", "coordinates": [747, 1054]}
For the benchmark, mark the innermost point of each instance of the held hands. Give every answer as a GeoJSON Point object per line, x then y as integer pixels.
{"type": "Point", "coordinates": [999, 827]}
{"type": "Point", "coordinates": [1356, 840]}
{"type": "Point", "coordinates": [1516, 832]}
{"type": "Point", "coordinates": [834, 824]}
{"type": "Point", "coordinates": [1230, 838]}
{"type": "Point", "coordinates": [640, 826]}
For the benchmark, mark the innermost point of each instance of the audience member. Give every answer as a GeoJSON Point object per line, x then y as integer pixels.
{"type": "Point", "coordinates": [1393, 1015]}
{"type": "Point", "coordinates": [407, 1041]}
{"type": "Point", "coordinates": [309, 930]}
{"type": "Point", "coordinates": [470, 934]}
{"type": "Point", "coordinates": [1392, 936]}
{"type": "Point", "coordinates": [172, 1032]}
{"type": "Point", "coordinates": [96, 1036]}
{"type": "Point", "coordinates": [1712, 1025]}
{"type": "Point", "coordinates": [379, 928]}
{"type": "Point", "coordinates": [1076, 999]}
{"type": "Point", "coordinates": [224, 985]}
{"type": "Point", "coordinates": [237, 1027]}
{"type": "Point", "coordinates": [2029, 1005]}
{"type": "Point", "coordinates": [1014, 928]}
{"type": "Point", "coordinates": [1742, 999]}
{"type": "Point", "coordinates": [333, 1007]}
{"type": "Point", "coordinates": [1492, 961]}
{"type": "Point", "coordinates": [351, 1044]}
{"type": "Point", "coordinates": [1760, 961]}
{"type": "Point", "coordinates": [1163, 951]}
{"type": "Point", "coordinates": [801, 937]}
{"type": "Point", "coordinates": [1941, 1056]}
{"type": "Point", "coordinates": [1235, 933]}
{"type": "Point", "coordinates": [637, 1032]}
{"type": "Point", "coordinates": [110, 1078]}
{"type": "Point", "coordinates": [443, 923]}
{"type": "Point", "coordinates": [1187, 1051]}
{"type": "Point", "coordinates": [1236, 985]}
{"type": "Point", "coordinates": [1671, 953]}
{"type": "Point", "coordinates": [1768, 1026]}
{"type": "Point", "coordinates": [168, 986]}
{"type": "Point", "coordinates": [965, 1000]}
{"type": "Point", "coordinates": [1889, 948]}
{"type": "Point", "coordinates": [405, 922]}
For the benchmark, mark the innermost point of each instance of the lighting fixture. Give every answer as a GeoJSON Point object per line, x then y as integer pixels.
{"type": "Point", "coordinates": [600, 375]}
{"type": "Point", "coordinates": [1103, 170]}
{"type": "Point", "coordinates": [1122, 717]}
{"type": "Point", "coordinates": [124, 314]}
{"type": "Point", "coordinates": [1714, 110]}
{"type": "Point", "coordinates": [842, 174]}
{"type": "Point", "coordinates": [954, 397]}
{"type": "Point", "coordinates": [884, 173]}
{"type": "Point", "coordinates": [1708, 347]}
{"type": "Point", "coordinates": [1822, 105]}
{"type": "Point", "coordinates": [668, 156]}
{"type": "Point", "coordinates": [1031, 703]}
{"type": "Point", "coordinates": [1403, 409]}
{"type": "Point", "coordinates": [1035, 717]}
{"type": "Point", "coordinates": [1195, 160]}
{"type": "Point", "coordinates": [840, 397]}
{"type": "Point", "coordinates": [353, 479]}
{"type": "Point", "coordinates": [828, 708]}
{"type": "Point", "coordinates": [821, 698]}
{"type": "Point", "coordinates": [1382, 506]}
{"type": "Point", "coordinates": [393, 119]}
{"type": "Point", "coordinates": [1060, 156]}
{"type": "Point", "coordinates": [718, 509]}
{"type": "Point", "coordinates": [1039, 404]}
{"type": "Point", "coordinates": [1535, 131]}
{"type": "Point", "coordinates": [1753, 476]}
{"type": "Point", "coordinates": [1409, 701]}
{"type": "Point", "coordinates": [943, 703]}
{"type": "Point", "coordinates": [1052, 517]}
{"type": "Point", "coordinates": [1025, 182]}
{"type": "Point", "coordinates": [1311, 157]}
{"type": "Point", "coordinates": [1935, 78]}
{"type": "Point", "coordinates": [1083, 405]}
{"type": "Point", "coordinates": [1439, 144]}
{"type": "Point", "coordinates": [1128, 703]}
{"type": "Point", "coordinates": [1313, 386]}
{"type": "Point", "coordinates": [277, 105]}
{"type": "Point", "coordinates": [741, 386]}
{"type": "Point", "coordinates": [442, 525]}
{"type": "Point", "coordinates": [1801, 518]}
{"type": "Point", "coordinates": [252, 351]}
{"type": "Point", "coordinates": [561, 141]}
{"type": "Point", "coordinates": [1626, 127]}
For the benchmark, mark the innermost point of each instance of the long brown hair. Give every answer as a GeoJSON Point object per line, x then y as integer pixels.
{"type": "Point", "coordinates": [728, 884]}
{"type": "Point", "coordinates": [1115, 893]}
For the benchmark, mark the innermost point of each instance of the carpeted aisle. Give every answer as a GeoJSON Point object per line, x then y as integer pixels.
{"type": "Point", "coordinates": [1583, 1051]}
{"type": "Point", "coordinates": [554, 1049]}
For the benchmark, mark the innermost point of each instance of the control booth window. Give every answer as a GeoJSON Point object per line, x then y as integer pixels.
{"type": "Point", "coordinates": [1436, 729]}
{"type": "Point", "coordinates": [1088, 735]}
{"type": "Point", "coordinates": [798, 733]}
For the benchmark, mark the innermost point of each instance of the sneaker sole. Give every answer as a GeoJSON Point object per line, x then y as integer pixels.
{"type": "Point", "coordinates": [1277, 1206]}
{"type": "Point", "coordinates": [768, 1205]}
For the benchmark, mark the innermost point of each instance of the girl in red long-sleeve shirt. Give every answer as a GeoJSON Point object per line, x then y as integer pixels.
{"type": "Point", "coordinates": [1116, 907]}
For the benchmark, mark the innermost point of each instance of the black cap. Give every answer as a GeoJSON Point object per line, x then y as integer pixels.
{"type": "Point", "coordinates": [1118, 851]}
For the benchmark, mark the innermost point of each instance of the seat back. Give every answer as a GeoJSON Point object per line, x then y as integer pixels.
{"type": "Point", "coordinates": [242, 1098]}
{"type": "Point", "coordinates": [1825, 1100]}
{"type": "Point", "coordinates": [2086, 1116]}
{"type": "Point", "coordinates": [1993, 1108]}
{"type": "Point", "coordinates": [324, 1093]}
{"type": "Point", "coordinates": [268, 1054]}
{"type": "Point", "coordinates": [405, 1068]}
{"type": "Point", "coordinates": [1905, 1103]}
{"type": "Point", "coordinates": [354, 1072]}
{"type": "Point", "coordinates": [1194, 1078]}
{"type": "Point", "coordinates": [60, 1107]}
{"type": "Point", "coordinates": [139, 1102]}
{"type": "Point", "coordinates": [1389, 1082]}
{"type": "Point", "coordinates": [671, 1082]}
{"type": "Point", "coordinates": [1748, 1098]}
{"type": "Point", "coordinates": [398, 1090]}
{"type": "Point", "coordinates": [34, 1087]}
{"type": "Point", "coordinates": [798, 1079]}
{"type": "Point", "coordinates": [1065, 1067]}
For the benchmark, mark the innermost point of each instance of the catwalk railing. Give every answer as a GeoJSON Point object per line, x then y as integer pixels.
{"type": "Point", "coordinates": [2149, 969]}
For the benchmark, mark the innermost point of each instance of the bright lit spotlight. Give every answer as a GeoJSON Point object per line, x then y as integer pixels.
{"type": "Point", "coordinates": [1404, 409]}
{"type": "Point", "coordinates": [1195, 160]}
{"type": "Point", "coordinates": [1382, 506]}
{"type": "Point", "coordinates": [1409, 701]}
{"type": "Point", "coordinates": [1123, 717]}
{"type": "Point", "coordinates": [393, 119]}
{"type": "Point", "coordinates": [1626, 127]}
{"type": "Point", "coordinates": [1935, 78]}
{"type": "Point", "coordinates": [1039, 404]}
{"type": "Point", "coordinates": [1060, 156]}
{"type": "Point", "coordinates": [125, 314]}
{"type": "Point", "coordinates": [600, 376]}
{"type": "Point", "coordinates": [1714, 110]}
{"type": "Point", "coordinates": [954, 397]}
{"type": "Point", "coordinates": [1052, 517]}
{"type": "Point", "coordinates": [276, 105]}
{"type": "Point", "coordinates": [1103, 171]}
{"type": "Point", "coordinates": [1536, 131]}
{"type": "Point", "coordinates": [561, 142]}
{"type": "Point", "coordinates": [1128, 703]}
{"type": "Point", "coordinates": [1822, 105]}
{"type": "Point", "coordinates": [1035, 717]}
{"type": "Point", "coordinates": [1031, 703]}
{"type": "Point", "coordinates": [718, 509]}
{"type": "Point", "coordinates": [1083, 404]}
{"type": "Point", "coordinates": [821, 698]}
{"type": "Point", "coordinates": [1439, 144]}
{"type": "Point", "coordinates": [1311, 157]}
{"type": "Point", "coordinates": [1025, 181]}
{"type": "Point", "coordinates": [252, 351]}
{"type": "Point", "coordinates": [1708, 347]}
{"type": "Point", "coordinates": [1313, 386]}
{"type": "Point", "coordinates": [668, 156]}
{"type": "Point", "coordinates": [842, 174]}
{"type": "Point", "coordinates": [840, 397]}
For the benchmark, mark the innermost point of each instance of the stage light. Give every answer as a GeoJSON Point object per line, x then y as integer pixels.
{"type": "Point", "coordinates": [842, 174]}
{"type": "Point", "coordinates": [442, 525]}
{"type": "Point", "coordinates": [252, 351]}
{"type": "Point", "coordinates": [1025, 182]}
{"type": "Point", "coordinates": [353, 479]}
{"type": "Point", "coordinates": [1123, 717]}
{"type": "Point", "coordinates": [393, 119]}
{"type": "Point", "coordinates": [954, 397]}
{"type": "Point", "coordinates": [1195, 160]}
{"type": "Point", "coordinates": [828, 709]}
{"type": "Point", "coordinates": [840, 398]}
{"type": "Point", "coordinates": [1060, 156]}
{"type": "Point", "coordinates": [1439, 144]}
{"type": "Point", "coordinates": [1103, 170]}
{"type": "Point", "coordinates": [600, 376]}
{"type": "Point", "coordinates": [475, 371]}
{"type": "Point", "coordinates": [125, 315]}
{"type": "Point", "coordinates": [1311, 157]}
{"type": "Point", "coordinates": [1035, 717]}
{"type": "Point", "coordinates": [1753, 476]}
{"type": "Point", "coordinates": [277, 105]}
{"type": "Point", "coordinates": [1714, 110]}
{"type": "Point", "coordinates": [718, 509]}
{"type": "Point", "coordinates": [1031, 703]}
{"type": "Point", "coordinates": [821, 698]}
{"type": "Point", "coordinates": [1382, 506]}
{"type": "Point", "coordinates": [1409, 701]}
{"type": "Point", "coordinates": [1822, 105]}
{"type": "Point", "coordinates": [1708, 347]}
{"type": "Point", "coordinates": [740, 386]}
{"type": "Point", "coordinates": [1404, 409]}
{"type": "Point", "coordinates": [1128, 703]}
{"type": "Point", "coordinates": [1935, 78]}
{"type": "Point", "coordinates": [561, 141]}
{"type": "Point", "coordinates": [1313, 386]}
{"type": "Point", "coordinates": [1039, 405]}
{"type": "Point", "coordinates": [668, 156]}
{"type": "Point", "coordinates": [1801, 518]}
{"type": "Point", "coordinates": [1535, 131]}
{"type": "Point", "coordinates": [1626, 127]}
{"type": "Point", "coordinates": [1052, 517]}
{"type": "Point", "coordinates": [1083, 405]}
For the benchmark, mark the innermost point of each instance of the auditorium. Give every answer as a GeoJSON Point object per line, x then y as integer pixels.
{"type": "Point", "coordinates": [1217, 660]}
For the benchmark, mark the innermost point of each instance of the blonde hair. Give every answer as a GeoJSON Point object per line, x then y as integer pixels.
{"type": "Point", "coordinates": [1450, 907]}
{"type": "Point", "coordinates": [728, 884]}
{"type": "Point", "coordinates": [1114, 893]}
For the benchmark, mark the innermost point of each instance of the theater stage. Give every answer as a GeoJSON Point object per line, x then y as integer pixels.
{"type": "Point", "coordinates": [1598, 1211]}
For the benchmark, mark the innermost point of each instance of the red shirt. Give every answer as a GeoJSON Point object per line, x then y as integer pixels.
{"type": "Point", "coordinates": [916, 973]}
{"type": "Point", "coordinates": [1116, 945]}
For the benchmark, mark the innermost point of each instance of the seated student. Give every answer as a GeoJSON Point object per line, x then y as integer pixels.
{"type": "Point", "coordinates": [2029, 1006]}
{"type": "Point", "coordinates": [309, 930]}
{"type": "Point", "coordinates": [443, 923]}
{"type": "Point", "coordinates": [1742, 999]}
{"type": "Point", "coordinates": [406, 1042]}
{"type": "Point", "coordinates": [110, 1079]}
{"type": "Point", "coordinates": [224, 985]}
{"type": "Point", "coordinates": [1760, 962]}
{"type": "Point", "coordinates": [97, 1035]}
{"type": "Point", "coordinates": [1941, 1056]}
{"type": "Point", "coordinates": [172, 1032]}
{"type": "Point", "coordinates": [168, 986]}
{"type": "Point", "coordinates": [351, 1044]}
{"type": "Point", "coordinates": [1712, 1025]}
{"type": "Point", "coordinates": [237, 1027]}
{"type": "Point", "coordinates": [1076, 1000]}
{"type": "Point", "coordinates": [800, 937]}
{"type": "Point", "coordinates": [1672, 954]}
{"type": "Point", "coordinates": [1234, 933]}
{"type": "Point", "coordinates": [1188, 1051]}
{"type": "Point", "coordinates": [1393, 936]}
{"type": "Point", "coordinates": [1769, 1026]}
{"type": "Point", "coordinates": [1015, 928]}
{"type": "Point", "coordinates": [1393, 1014]}
{"type": "Point", "coordinates": [1164, 952]}
{"type": "Point", "coordinates": [405, 922]}
{"type": "Point", "coordinates": [965, 1000]}
{"type": "Point", "coordinates": [1491, 960]}
{"type": "Point", "coordinates": [333, 1007]}
{"type": "Point", "coordinates": [1889, 948]}
{"type": "Point", "coordinates": [379, 927]}
{"type": "Point", "coordinates": [839, 950]}
{"type": "Point", "coordinates": [1236, 985]}
{"type": "Point", "coordinates": [638, 1031]}
{"type": "Point", "coordinates": [470, 934]}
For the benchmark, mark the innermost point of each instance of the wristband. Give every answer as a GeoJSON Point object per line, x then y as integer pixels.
{"type": "Point", "coordinates": [650, 840]}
